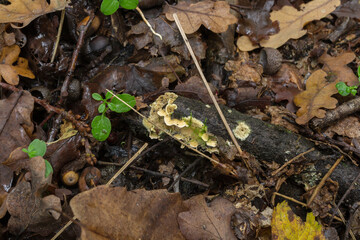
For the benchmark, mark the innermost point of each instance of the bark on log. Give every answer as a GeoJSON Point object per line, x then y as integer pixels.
{"type": "Point", "coordinates": [266, 142]}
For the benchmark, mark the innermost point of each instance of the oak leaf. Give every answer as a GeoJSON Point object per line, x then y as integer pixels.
{"type": "Point", "coordinates": [24, 11]}
{"type": "Point", "coordinates": [215, 16]}
{"type": "Point", "coordinates": [8, 71]}
{"type": "Point", "coordinates": [286, 225]}
{"type": "Point", "coordinates": [291, 23]}
{"type": "Point", "coordinates": [338, 66]}
{"type": "Point", "coordinates": [316, 96]}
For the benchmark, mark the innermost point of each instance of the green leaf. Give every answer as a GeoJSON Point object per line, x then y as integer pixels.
{"type": "Point", "coordinates": [117, 106]}
{"type": "Point", "coordinates": [129, 4]}
{"type": "Point", "coordinates": [353, 92]}
{"type": "Point", "coordinates": [97, 97]}
{"type": "Point", "coordinates": [108, 95]}
{"type": "Point", "coordinates": [108, 7]}
{"type": "Point", "coordinates": [359, 72]}
{"type": "Point", "coordinates": [102, 107]}
{"type": "Point", "coordinates": [342, 88]}
{"type": "Point", "coordinates": [100, 127]}
{"type": "Point", "coordinates": [36, 148]}
{"type": "Point", "coordinates": [48, 168]}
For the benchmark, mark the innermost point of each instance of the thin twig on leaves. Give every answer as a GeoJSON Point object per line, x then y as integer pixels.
{"type": "Point", "coordinates": [58, 36]}
{"type": "Point", "coordinates": [209, 90]}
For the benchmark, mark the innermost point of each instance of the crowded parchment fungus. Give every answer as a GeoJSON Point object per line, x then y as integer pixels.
{"type": "Point", "coordinates": [188, 129]}
{"type": "Point", "coordinates": [242, 131]}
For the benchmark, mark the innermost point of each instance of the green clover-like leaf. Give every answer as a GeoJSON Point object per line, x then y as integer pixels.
{"type": "Point", "coordinates": [48, 168]}
{"type": "Point", "coordinates": [129, 4]}
{"type": "Point", "coordinates": [108, 95]}
{"type": "Point", "coordinates": [108, 7]}
{"type": "Point", "coordinates": [117, 106]}
{"type": "Point", "coordinates": [97, 97]}
{"type": "Point", "coordinates": [342, 88]}
{"type": "Point", "coordinates": [102, 107]}
{"type": "Point", "coordinates": [101, 127]}
{"type": "Point", "coordinates": [36, 148]}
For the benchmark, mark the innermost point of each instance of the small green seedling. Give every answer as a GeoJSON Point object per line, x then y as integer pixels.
{"type": "Point", "coordinates": [38, 148]}
{"type": "Point", "coordinates": [109, 7]}
{"type": "Point", "coordinates": [101, 125]}
{"type": "Point", "coordinates": [345, 90]}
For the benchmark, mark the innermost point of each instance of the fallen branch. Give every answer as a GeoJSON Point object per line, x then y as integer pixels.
{"type": "Point", "coordinates": [267, 142]}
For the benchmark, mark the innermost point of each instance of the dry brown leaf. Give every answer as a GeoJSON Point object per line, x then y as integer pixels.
{"type": "Point", "coordinates": [115, 213]}
{"type": "Point", "coordinates": [348, 127]}
{"type": "Point", "coordinates": [28, 204]}
{"type": "Point", "coordinates": [215, 16]}
{"type": "Point", "coordinates": [8, 71]}
{"type": "Point", "coordinates": [338, 66]}
{"type": "Point", "coordinates": [316, 96]}
{"type": "Point", "coordinates": [291, 23]}
{"type": "Point", "coordinates": [207, 222]}
{"type": "Point", "coordinates": [243, 71]}
{"type": "Point", "coordinates": [24, 11]}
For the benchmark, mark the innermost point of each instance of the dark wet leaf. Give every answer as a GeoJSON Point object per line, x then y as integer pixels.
{"type": "Point", "coordinates": [256, 22]}
{"type": "Point", "coordinates": [349, 9]}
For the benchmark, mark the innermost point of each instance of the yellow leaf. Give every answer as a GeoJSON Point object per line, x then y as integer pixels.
{"type": "Point", "coordinates": [24, 11]}
{"type": "Point", "coordinates": [215, 16]}
{"type": "Point", "coordinates": [316, 96]}
{"type": "Point", "coordinates": [286, 225]}
{"type": "Point", "coordinates": [291, 22]}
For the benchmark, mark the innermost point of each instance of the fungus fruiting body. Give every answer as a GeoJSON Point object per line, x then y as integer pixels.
{"type": "Point", "coordinates": [242, 131]}
{"type": "Point", "coordinates": [187, 129]}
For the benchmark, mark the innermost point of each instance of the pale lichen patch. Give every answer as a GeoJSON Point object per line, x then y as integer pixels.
{"type": "Point", "coordinates": [242, 131]}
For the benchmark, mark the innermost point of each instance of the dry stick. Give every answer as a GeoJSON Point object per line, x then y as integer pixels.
{"type": "Point", "coordinates": [107, 184]}
{"type": "Point", "coordinates": [322, 182]}
{"type": "Point", "coordinates": [291, 161]}
{"type": "Point", "coordinates": [147, 23]}
{"type": "Point", "coordinates": [127, 164]}
{"type": "Point", "coordinates": [217, 163]}
{"type": "Point", "coordinates": [208, 89]}
{"type": "Point", "coordinates": [58, 35]}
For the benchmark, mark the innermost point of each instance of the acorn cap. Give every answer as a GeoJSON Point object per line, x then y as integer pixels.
{"type": "Point", "coordinates": [270, 59]}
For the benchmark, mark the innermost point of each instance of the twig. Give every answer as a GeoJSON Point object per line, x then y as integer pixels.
{"type": "Point", "coordinates": [58, 36]}
{"type": "Point", "coordinates": [157, 174]}
{"type": "Point", "coordinates": [147, 22]}
{"type": "Point", "coordinates": [183, 173]}
{"type": "Point", "coordinates": [300, 203]}
{"type": "Point", "coordinates": [107, 184]}
{"type": "Point", "coordinates": [323, 180]}
{"type": "Point", "coordinates": [209, 89]}
{"type": "Point", "coordinates": [291, 161]}
{"type": "Point", "coordinates": [217, 163]}
{"type": "Point", "coordinates": [82, 29]}
{"type": "Point", "coordinates": [126, 164]}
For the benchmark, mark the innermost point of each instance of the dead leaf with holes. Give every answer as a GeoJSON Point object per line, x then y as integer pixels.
{"type": "Point", "coordinates": [316, 96]}
{"type": "Point", "coordinates": [24, 11]}
{"type": "Point", "coordinates": [215, 16]}
{"type": "Point", "coordinates": [338, 66]}
{"type": "Point", "coordinates": [291, 23]}
{"type": "Point", "coordinates": [9, 72]}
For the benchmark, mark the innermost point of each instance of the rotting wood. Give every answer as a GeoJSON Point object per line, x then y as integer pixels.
{"type": "Point", "coordinates": [266, 142]}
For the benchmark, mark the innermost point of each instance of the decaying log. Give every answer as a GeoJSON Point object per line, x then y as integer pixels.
{"type": "Point", "coordinates": [266, 142]}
